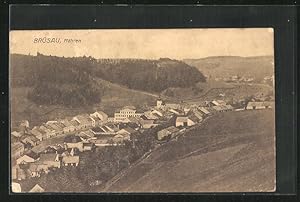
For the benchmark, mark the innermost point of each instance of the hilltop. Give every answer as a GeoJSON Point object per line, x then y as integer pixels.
{"type": "Point", "coordinates": [225, 66]}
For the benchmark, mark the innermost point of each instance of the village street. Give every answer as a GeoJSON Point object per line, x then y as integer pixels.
{"type": "Point", "coordinates": [53, 141]}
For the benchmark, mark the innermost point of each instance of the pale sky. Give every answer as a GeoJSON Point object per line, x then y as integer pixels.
{"type": "Point", "coordinates": [147, 43]}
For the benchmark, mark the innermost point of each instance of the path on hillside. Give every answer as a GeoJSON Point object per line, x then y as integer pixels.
{"type": "Point", "coordinates": [110, 84]}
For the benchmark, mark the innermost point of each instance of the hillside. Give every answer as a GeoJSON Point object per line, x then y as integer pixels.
{"type": "Point", "coordinates": [147, 75]}
{"type": "Point", "coordinates": [230, 152]}
{"type": "Point", "coordinates": [114, 97]}
{"type": "Point", "coordinates": [219, 67]}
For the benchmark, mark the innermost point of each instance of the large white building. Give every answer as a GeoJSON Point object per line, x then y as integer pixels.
{"type": "Point", "coordinates": [125, 113]}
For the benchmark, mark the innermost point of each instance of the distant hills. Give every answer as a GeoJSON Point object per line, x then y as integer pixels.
{"type": "Point", "coordinates": [72, 81]}
{"type": "Point", "coordinates": [226, 66]}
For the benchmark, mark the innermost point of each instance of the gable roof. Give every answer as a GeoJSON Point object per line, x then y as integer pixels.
{"type": "Point", "coordinates": [26, 138]}
{"type": "Point", "coordinates": [97, 130]}
{"type": "Point", "coordinates": [48, 157]}
{"type": "Point", "coordinates": [83, 119]}
{"type": "Point", "coordinates": [129, 130]}
{"type": "Point", "coordinates": [182, 119]}
{"type": "Point", "coordinates": [172, 129]}
{"type": "Point", "coordinates": [204, 110]}
{"type": "Point", "coordinates": [72, 139]}
{"type": "Point", "coordinates": [66, 122]}
{"type": "Point", "coordinates": [32, 154]}
{"type": "Point", "coordinates": [260, 104]}
{"type": "Point", "coordinates": [70, 159]}
{"type": "Point", "coordinates": [194, 118]}
{"type": "Point", "coordinates": [16, 134]}
{"type": "Point", "coordinates": [17, 145]}
{"type": "Point", "coordinates": [129, 107]}
{"type": "Point", "coordinates": [36, 132]}
{"type": "Point", "coordinates": [37, 188]}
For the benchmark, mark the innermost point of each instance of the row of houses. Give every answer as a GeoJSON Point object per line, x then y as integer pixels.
{"type": "Point", "coordinates": [196, 114]}
{"type": "Point", "coordinates": [55, 128]}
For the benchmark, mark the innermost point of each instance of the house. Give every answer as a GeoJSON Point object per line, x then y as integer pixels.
{"type": "Point", "coordinates": [67, 126]}
{"type": "Point", "coordinates": [100, 131]}
{"type": "Point", "coordinates": [50, 159]}
{"type": "Point", "coordinates": [177, 111]}
{"type": "Point", "coordinates": [46, 131]}
{"type": "Point", "coordinates": [147, 123]}
{"type": "Point", "coordinates": [76, 125]}
{"type": "Point", "coordinates": [160, 103]}
{"type": "Point", "coordinates": [37, 189]}
{"type": "Point", "coordinates": [125, 113]}
{"type": "Point", "coordinates": [102, 141]}
{"type": "Point", "coordinates": [218, 102]}
{"type": "Point", "coordinates": [16, 187]}
{"type": "Point", "coordinates": [70, 160]}
{"type": "Point", "coordinates": [172, 106]}
{"type": "Point", "coordinates": [17, 149]}
{"type": "Point", "coordinates": [24, 123]}
{"type": "Point", "coordinates": [86, 135]}
{"type": "Point", "coordinates": [54, 149]}
{"type": "Point", "coordinates": [16, 134]}
{"type": "Point", "coordinates": [196, 113]}
{"type": "Point", "coordinates": [84, 121]}
{"type": "Point", "coordinates": [72, 141]}
{"type": "Point", "coordinates": [99, 117]}
{"type": "Point", "coordinates": [132, 124]}
{"type": "Point", "coordinates": [260, 105]}
{"type": "Point", "coordinates": [104, 130]}
{"type": "Point", "coordinates": [26, 158]}
{"type": "Point", "coordinates": [50, 129]}
{"type": "Point", "coordinates": [55, 127]}
{"type": "Point", "coordinates": [223, 108]}
{"type": "Point", "coordinates": [157, 112]}
{"type": "Point", "coordinates": [184, 121]}
{"type": "Point", "coordinates": [127, 130]}
{"type": "Point", "coordinates": [149, 115]}
{"type": "Point", "coordinates": [37, 168]}
{"type": "Point", "coordinates": [204, 111]}
{"type": "Point", "coordinates": [29, 140]}
{"type": "Point", "coordinates": [192, 117]}
{"type": "Point", "coordinates": [111, 128]}
{"type": "Point", "coordinates": [120, 138]}
{"type": "Point", "coordinates": [87, 146]}
{"type": "Point", "coordinates": [110, 119]}
{"type": "Point", "coordinates": [37, 133]}
{"type": "Point", "coordinates": [20, 174]}
{"type": "Point", "coordinates": [24, 126]}
{"type": "Point", "coordinates": [126, 133]}
{"type": "Point", "coordinates": [167, 132]}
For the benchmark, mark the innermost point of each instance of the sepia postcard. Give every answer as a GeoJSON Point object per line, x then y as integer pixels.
{"type": "Point", "coordinates": [142, 110]}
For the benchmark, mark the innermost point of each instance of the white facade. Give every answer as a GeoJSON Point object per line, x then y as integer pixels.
{"type": "Point", "coordinates": [126, 113]}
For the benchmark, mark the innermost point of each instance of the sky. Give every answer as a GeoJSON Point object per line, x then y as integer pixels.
{"type": "Point", "coordinates": [147, 43]}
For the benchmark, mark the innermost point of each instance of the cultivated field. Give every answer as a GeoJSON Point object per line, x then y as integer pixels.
{"type": "Point", "coordinates": [230, 152]}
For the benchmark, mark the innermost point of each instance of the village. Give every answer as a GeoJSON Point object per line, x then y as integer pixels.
{"type": "Point", "coordinates": [35, 154]}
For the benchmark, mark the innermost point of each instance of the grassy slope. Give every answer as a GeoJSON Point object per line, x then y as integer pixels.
{"type": "Point", "coordinates": [115, 97]}
{"type": "Point", "coordinates": [232, 151]}
{"type": "Point", "coordinates": [257, 67]}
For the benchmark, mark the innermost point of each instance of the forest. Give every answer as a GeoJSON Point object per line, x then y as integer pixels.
{"type": "Point", "coordinates": [72, 81]}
